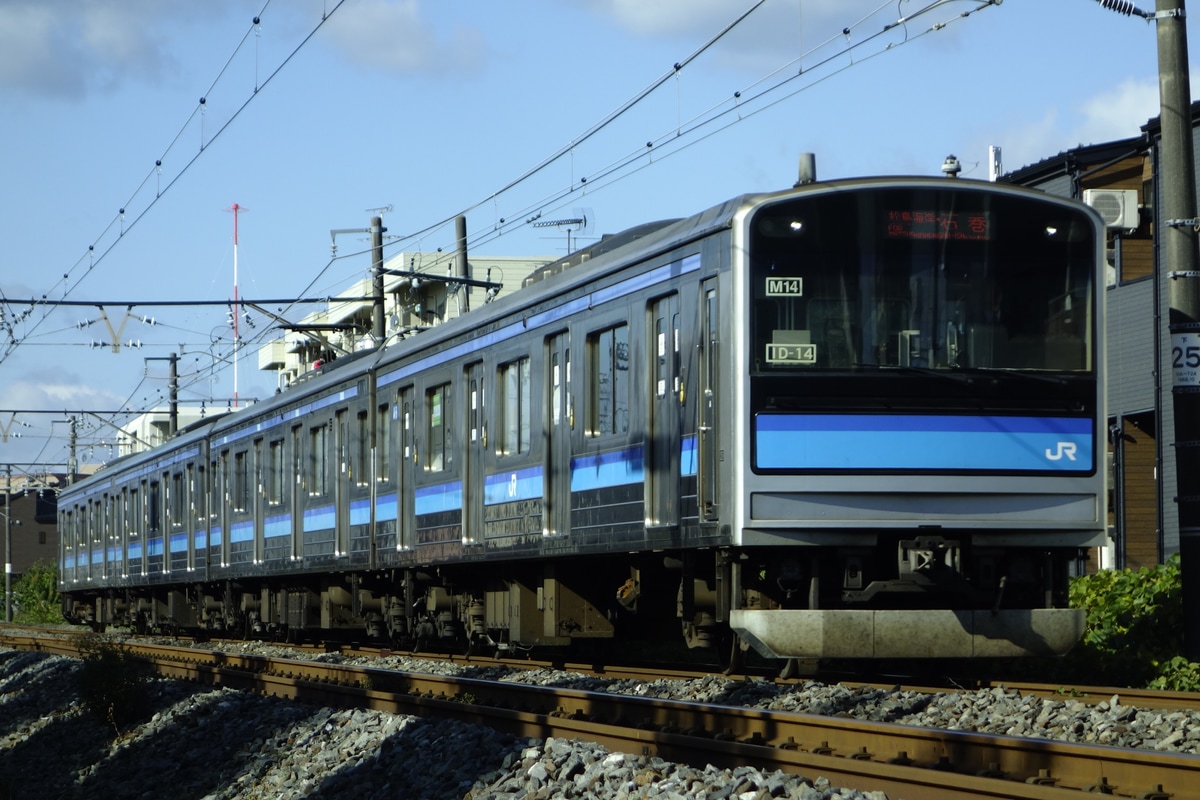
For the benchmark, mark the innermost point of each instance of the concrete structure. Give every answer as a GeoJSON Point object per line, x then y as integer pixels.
{"type": "Point", "coordinates": [420, 292]}
{"type": "Point", "coordinates": [153, 428]}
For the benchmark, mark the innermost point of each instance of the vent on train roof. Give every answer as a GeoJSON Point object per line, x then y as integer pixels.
{"type": "Point", "coordinates": [606, 244]}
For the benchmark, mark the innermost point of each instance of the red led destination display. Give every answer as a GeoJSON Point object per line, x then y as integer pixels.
{"type": "Point", "coordinates": [939, 225]}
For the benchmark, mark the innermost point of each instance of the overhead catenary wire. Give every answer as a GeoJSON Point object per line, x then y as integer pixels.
{"type": "Point", "coordinates": [97, 251]}
{"type": "Point", "coordinates": [683, 135]}
{"type": "Point", "coordinates": [737, 102]}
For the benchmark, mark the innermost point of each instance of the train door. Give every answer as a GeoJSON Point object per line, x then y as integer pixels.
{"type": "Point", "coordinates": [662, 435]}
{"type": "Point", "coordinates": [559, 421]}
{"type": "Point", "coordinates": [473, 463]}
{"type": "Point", "coordinates": [341, 483]}
{"type": "Point", "coordinates": [405, 523]}
{"type": "Point", "coordinates": [708, 435]}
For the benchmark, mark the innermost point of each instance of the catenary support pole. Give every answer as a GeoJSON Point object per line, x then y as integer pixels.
{"type": "Point", "coordinates": [1179, 261]}
{"type": "Point", "coordinates": [378, 328]}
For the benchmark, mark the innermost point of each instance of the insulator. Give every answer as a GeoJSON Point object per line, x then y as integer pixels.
{"type": "Point", "coordinates": [1122, 7]}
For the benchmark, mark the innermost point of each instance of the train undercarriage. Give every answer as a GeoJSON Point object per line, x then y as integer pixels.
{"type": "Point", "coordinates": [901, 597]}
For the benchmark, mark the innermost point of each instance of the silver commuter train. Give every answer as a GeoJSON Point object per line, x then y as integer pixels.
{"type": "Point", "coordinates": [857, 418]}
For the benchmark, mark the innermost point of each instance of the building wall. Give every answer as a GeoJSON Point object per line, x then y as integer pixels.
{"type": "Point", "coordinates": [1139, 487]}
{"type": "Point", "coordinates": [1131, 352]}
{"type": "Point", "coordinates": [31, 540]}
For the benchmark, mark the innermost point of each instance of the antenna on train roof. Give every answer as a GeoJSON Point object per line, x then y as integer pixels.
{"type": "Point", "coordinates": [951, 166]}
{"type": "Point", "coordinates": [808, 170]}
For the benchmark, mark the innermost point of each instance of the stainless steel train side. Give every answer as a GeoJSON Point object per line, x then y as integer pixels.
{"type": "Point", "coordinates": [639, 442]}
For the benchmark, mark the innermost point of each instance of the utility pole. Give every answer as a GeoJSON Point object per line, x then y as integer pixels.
{"type": "Point", "coordinates": [1179, 259]}
{"type": "Point", "coordinates": [378, 329]}
{"type": "Point", "coordinates": [172, 392]}
{"type": "Point", "coordinates": [72, 460]}
{"type": "Point", "coordinates": [1177, 173]}
{"type": "Point", "coordinates": [462, 269]}
{"type": "Point", "coordinates": [237, 339]}
{"type": "Point", "coordinates": [8, 566]}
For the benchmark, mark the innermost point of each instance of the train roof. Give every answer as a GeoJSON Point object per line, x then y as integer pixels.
{"type": "Point", "coordinates": [581, 268]}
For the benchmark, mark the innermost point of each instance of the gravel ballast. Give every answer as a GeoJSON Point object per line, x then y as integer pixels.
{"type": "Point", "coordinates": [219, 744]}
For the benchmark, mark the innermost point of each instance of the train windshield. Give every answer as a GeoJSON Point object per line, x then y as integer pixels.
{"type": "Point", "coordinates": [921, 277]}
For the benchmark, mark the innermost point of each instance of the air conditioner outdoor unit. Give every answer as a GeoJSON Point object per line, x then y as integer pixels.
{"type": "Point", "coordinates": [1117, 207]}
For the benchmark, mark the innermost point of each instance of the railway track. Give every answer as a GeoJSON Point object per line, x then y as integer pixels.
{"type": "Point", "coordinates": [903, 761]}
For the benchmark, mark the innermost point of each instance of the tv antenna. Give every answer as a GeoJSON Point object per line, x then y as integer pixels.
{"type": "Point", "coordinates": [581, 220]}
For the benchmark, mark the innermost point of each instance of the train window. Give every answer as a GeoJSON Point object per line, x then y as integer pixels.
{"type": "Point", "coordinates": [317, 460]}
{"type": "Point", "coordinates": [175, 500]}
{"type": "Point", "coordinates": [476, 401]}
{"type": "Point", "coordinates": [407, 428]}
{"type": "Point", "coordinates": [920, 278]}
{"type": "Point", "coordinates": [362, 450]}
{"type": "Point", "coordinates": [383, 442]}
{"type": "Point", "coordinates": [135, 513]}
{"type": "Point", "coordinates": [438, 453]}
{"type": "Point", "coordinates": [608, 382]}
{"type": "Point", "coordinates": [275, 472]}
{"type": "Point", "coordinates": [241, 482]}
{"type": "Point", "coordinates": [514, 408]}
{"type": "Point", "coordinates": [298, 459]}
{"type": "Point", "coordinates": [155, 510]}
{"type": "Point", "coordinates": [193, 505]}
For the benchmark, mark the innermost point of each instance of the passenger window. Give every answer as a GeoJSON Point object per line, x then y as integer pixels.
{"type": "Point", "coordinates": [608, 382]}
{"type": "Point", "coordinates": [514, 408]}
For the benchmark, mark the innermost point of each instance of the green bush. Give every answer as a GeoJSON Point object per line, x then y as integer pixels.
{"type": "Point", "coordinates": [111, 682]}
{"type": "Point", "coordinates": [36, 595]}
{"type": "Point", "coordinates": [1134, 633]}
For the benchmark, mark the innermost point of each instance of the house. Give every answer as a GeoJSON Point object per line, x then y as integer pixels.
{"type": "Point", "coordinates": [1121, 180]}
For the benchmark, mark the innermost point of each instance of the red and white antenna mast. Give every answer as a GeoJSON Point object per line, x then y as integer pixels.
{"type": "Point", "coordinates": [237, 340]}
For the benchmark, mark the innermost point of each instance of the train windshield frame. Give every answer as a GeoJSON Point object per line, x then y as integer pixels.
{"type": "Point", "coordinates": [946, 278]}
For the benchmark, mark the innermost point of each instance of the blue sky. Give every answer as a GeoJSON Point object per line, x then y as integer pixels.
{"type": "Point", "coordinates": [327, 110]}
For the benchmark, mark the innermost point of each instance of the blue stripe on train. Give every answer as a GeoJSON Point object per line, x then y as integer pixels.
{"type": "Point", "coordinates": [606, 470]}
{"type": "Point", "coordinates": [896, 441]}
{"type": "Point", "coordinates": [360, 512]}
{"type": "Point", "coordinates": [510, 487]}
{"type": "Point", "coordinates": [687, 456]}
{"type": "Point", "coordinates": [321, 518]}
{"type": "Point", "coordinates": [436, 499]}
{"type": "Point", "coordinates": [278, 525]}
{"type": "Point", "coordinates": [386, 507]}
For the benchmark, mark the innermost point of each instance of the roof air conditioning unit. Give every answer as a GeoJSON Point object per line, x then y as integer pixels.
{"type": "Point", "coordinates": [1117, 207]}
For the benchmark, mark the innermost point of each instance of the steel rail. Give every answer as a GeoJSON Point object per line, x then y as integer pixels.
{"type": "Point", "coordinates": [856, 754]}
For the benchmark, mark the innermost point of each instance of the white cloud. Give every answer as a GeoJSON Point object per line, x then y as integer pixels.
{"type": "Point", "coordinates": [1118, 113]}
{"type": "Point", "coordinates": [393, 35]}
{"type": "Point", "coordinates": [667, 16]}
{"type": "Point", "coordinates": [53, 390]}
{"type": "Point", "coordinates": [66, 48]}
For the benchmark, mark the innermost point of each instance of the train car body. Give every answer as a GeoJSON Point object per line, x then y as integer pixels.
{"type": "Point", "coordinates": [855, 419]}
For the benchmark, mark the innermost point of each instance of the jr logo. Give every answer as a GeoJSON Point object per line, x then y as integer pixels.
{"type": "Point", "coordinates": [1064, 449]}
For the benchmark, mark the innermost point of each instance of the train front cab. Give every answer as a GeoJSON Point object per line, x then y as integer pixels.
{"type": "Point", "coordinates": [919, 428]}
